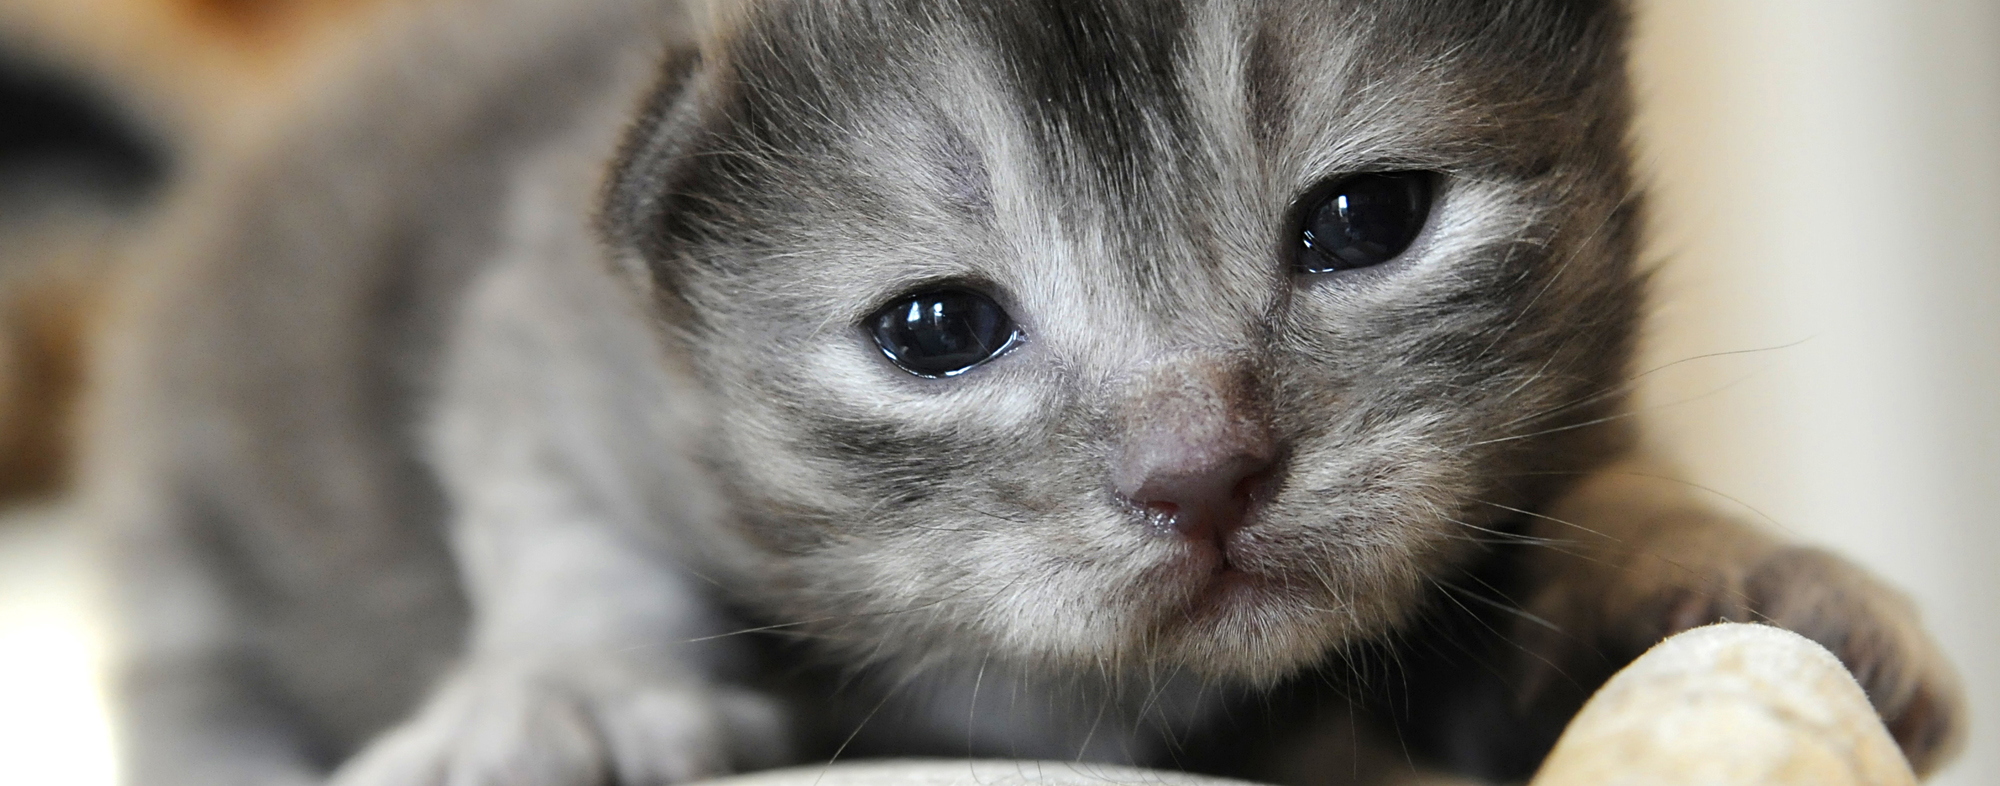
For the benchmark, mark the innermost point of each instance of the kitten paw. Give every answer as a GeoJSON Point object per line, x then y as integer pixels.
{"type": "Point", "coordinates": [1872, 628]}
{"type": "Point", "coordinates": [1874, 631]}
{"type": "Point", "coordinates": [495, 725]}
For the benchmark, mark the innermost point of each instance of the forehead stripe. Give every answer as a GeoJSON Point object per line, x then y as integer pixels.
{"type": "Point", "coordinates": [1099, 81]}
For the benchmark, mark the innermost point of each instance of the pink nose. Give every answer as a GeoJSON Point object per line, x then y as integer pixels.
{"type": "Point", "coordinates": [1197, 446]}
{"type": "Point", "coordinates": [1199, 494]}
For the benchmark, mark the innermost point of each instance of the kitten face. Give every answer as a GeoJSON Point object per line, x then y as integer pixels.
{"type": "Point", "coordinates": [1194, 453]}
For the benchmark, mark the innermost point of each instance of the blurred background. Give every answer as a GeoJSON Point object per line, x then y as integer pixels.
{"type": "Point", "coordinates": [1825, 181]}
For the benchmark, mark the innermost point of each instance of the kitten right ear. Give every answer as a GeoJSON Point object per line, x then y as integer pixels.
{"type": "Point", "coordinates": [648, 164]}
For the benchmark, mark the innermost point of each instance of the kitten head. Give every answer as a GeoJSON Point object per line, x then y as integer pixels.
{"type": "Point", "coordinates": [1115, 334]}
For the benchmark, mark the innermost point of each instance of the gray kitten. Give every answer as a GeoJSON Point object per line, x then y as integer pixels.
{"type": "Point", "coordinates": [1216, 384]}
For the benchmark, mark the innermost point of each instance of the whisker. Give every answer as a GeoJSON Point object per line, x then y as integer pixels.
{"type": "Point", "coordinates": [1710, 582]}
{"type": "Point", "coordinates": [886, 694]}
{"type": "Point", "coordinates": [1508, 607]}
{"type": "Point", "coordinates": [744, 631]}
{"type": "Point", "coordinates": [1630, 383]}
{"type": "Point", "coordinates": [972, 705]}
{"type": "Point", "coordinates": [1548, 518]}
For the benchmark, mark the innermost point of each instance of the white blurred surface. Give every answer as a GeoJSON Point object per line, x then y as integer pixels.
{"type": "Point", "coordinates": [1827, 185]}
{"type": "Point", "coordinates": [52, 721]}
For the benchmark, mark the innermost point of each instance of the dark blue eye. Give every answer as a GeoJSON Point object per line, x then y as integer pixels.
{"type": "Point", "coordinates": [943, 333]}
{"type": "Point", "coordinates": [1364, 220]}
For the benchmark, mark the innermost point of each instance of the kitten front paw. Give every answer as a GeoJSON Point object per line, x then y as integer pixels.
{"type": "Point", "coordinates": [574, 726]}
{"type": "Point", "coordinates": [1872, 628]}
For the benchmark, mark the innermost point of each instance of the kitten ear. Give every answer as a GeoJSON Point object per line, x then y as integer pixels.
{"type": "Point", "coordinates": [644, 172]}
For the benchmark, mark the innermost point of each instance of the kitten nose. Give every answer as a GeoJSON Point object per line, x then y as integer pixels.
{"type": "Point", "coordinates": [1197, 446]}
{"type": "Point", "coordinates": [1200, 497]}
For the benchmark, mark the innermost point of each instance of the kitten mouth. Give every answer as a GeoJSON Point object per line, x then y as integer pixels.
{"type": "Point", "coordinates": [1219, 572]}
{"type": "Point", "coordinates": [1206, 537]}
{"type": "Point", "coordinates": [1215, 594]}
{"type": "Point", "coordinates": [1213, 572]}
{"type": "Point", "coordinates": [1230, 579]}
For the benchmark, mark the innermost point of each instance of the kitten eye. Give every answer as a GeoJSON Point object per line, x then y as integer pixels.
{"type": "Point", "coordinates": [943, 333]}
{"type": "Point", "coordinates": [1365, 220]}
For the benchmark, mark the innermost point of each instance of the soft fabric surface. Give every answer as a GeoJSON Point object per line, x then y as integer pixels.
{"type": "Point", "coordinates": [1729, 704]}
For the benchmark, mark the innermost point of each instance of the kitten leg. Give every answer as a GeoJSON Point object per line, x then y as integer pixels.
{"type": "Point", "coordinates": [191, 710]}
{"type": "Point", "coordinates": [1632, 557]}
{"type": "Point", "coordinates": [580, 669]}
{"type": "Point", "coordinates": [589, 660]}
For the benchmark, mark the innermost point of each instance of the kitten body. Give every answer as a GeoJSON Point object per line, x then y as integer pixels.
{"type": "Point", "coordinates": [439, 450]}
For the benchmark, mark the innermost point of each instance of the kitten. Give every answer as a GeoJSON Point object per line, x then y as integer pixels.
{"type": "Point", "coordinates": [1215, 384]}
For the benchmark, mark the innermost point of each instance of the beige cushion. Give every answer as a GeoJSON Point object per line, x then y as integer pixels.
{"type": "Point", "coordinates": [1729, 704]}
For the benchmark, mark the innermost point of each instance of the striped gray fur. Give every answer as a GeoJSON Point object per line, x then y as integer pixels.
{"type": "Point", "coordinates": [513, 418]}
